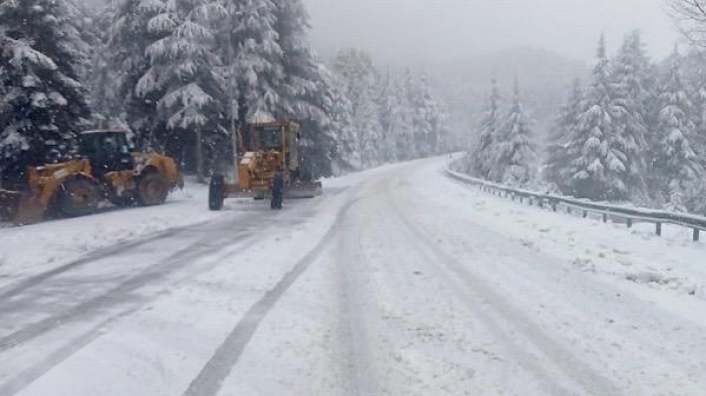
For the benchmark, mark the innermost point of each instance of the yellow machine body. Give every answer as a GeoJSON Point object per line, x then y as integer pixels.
{"type": "Point", "coordinates": [44, 184]}
{"type": "Point", "coordinates": [260, 162]}
{"type": "Point", "coordinates": [267, 155]}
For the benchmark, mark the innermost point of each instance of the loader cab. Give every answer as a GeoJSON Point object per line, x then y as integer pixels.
{"type": "Point", "coordinates": [108, 151]}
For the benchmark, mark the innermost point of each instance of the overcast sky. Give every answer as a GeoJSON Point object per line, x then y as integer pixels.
{"type": "Point", "coordinates": [399, 30]}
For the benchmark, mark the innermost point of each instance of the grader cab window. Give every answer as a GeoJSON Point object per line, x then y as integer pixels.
{"type": "Point", "coordinates": [264, 138]}
{"type": "Point", "coordinates": [271, 138]}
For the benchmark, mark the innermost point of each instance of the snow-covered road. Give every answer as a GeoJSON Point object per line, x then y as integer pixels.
{"type": "Point", "coordinates": [399, 281]}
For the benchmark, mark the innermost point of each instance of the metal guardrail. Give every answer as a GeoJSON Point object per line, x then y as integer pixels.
{"type": "Point", "coordinates": [630, 215]}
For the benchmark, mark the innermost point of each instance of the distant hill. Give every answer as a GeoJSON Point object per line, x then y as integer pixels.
{"type": "Point", "coordinates": [545, 78]}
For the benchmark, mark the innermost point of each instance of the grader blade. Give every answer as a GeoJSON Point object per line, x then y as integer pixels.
{"type": "Point", "coordinates": [303, 190]}
{"type": "Point", "coordinates": [20, 208]}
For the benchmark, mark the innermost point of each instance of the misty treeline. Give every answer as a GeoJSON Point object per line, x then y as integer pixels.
{"type": "Point", "coordinates": [635, 132]}
{"type": "Point", "coordinates": [180, 75]}
{"type": "Point", "coordinates": [388, 115]}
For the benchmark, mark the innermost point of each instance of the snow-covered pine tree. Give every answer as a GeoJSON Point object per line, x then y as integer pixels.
{"type": "Point", "coordinates": [426, 120]}
{"type": "Point", "coordinates": [695, 77]}
{"type": "Point", "coordinates": [80, 25]}
{"type": "Point", "coordinates": [480, 159]}
{"type": "Point", "coordinates": [694, 71]}
{"type": "Point", "coordinates": [558, 160]}
{"type": "Point", "coordinates": [676, 165]}
{"type": "Point", "coordinates": [387, 107]}
{"type": "Point", "coordinates": [370, 131]}
{"type": "Point", "coordinates": [253, 56]}
{"type": "Point", "coordinates": [514, 151]}
{"type": "Point", "coordinates": [185, 68]}
{"type": "Point", "coordinates": [43, 105]}
{"type": "Point", "coordinates": [340, 110]}
{"type": "Point", "coordinates": [402, 120]}
{"type": "Point", "coordinates": [600, 157]}
{"type": "Point", "coordinates": [307, 90]}
{"type": "Point", "coordinates": [356, 69]}
{"type": "Point", "coordinates": [444, 143]}
{"type": "Point", "coordinates": [134, 26]}
{"type": "Point", "coordinates": [632, 85]}
{"type": "Point", "coordinates": [100, 79]}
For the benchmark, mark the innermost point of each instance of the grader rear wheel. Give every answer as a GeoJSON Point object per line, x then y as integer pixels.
{"type": "Point", "coordinates": [216, 192]}
{"type": "Point", "coordinates": [78, 197]}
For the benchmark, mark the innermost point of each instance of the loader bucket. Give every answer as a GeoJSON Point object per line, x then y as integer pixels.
{"type": "Point", "coordinates": [9, 205]}
{"type": "Point", "coordinates": [303, 190]}
{"type": "Point", "coordinates": [20, 208]}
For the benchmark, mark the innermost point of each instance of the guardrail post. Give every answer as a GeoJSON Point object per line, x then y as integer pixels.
{"type": "Point", "coordinates": [585, 214]}
{"type": "Point", "coordinates": [541, 203]}
{"type": "Point", "coordinates": [629, 221]}
{"type": "Point", "coordinates": [659, 229]}
{"type": "Point", "coordinates": [605, 217]}
{"type": "Point", "coordinates": [554, 204]}
{"type": "Point", "coordinates": [696, 234]}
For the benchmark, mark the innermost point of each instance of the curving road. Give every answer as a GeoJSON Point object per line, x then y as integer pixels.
{"type": "Point", "coordinates": [398, 281]}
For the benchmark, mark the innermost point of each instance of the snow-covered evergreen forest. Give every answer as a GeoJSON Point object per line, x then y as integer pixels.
{"type": "Point", "coordinates": [634, 132]}
{"type": "Point", "coordinates": [180, 75]}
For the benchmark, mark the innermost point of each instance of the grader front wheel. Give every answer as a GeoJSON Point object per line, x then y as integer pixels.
{"type": "Point", "coordinates": [277, 192]}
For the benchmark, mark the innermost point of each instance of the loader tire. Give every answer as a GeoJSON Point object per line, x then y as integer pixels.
{"type": "Point", "coordinates": [216, 192]}
{"type": "Point", "coordinates": [152, 189]}
{"type": "Point", "coordinates": [78, 197]}
{"type": "Point", "coordinates": [277, 192]}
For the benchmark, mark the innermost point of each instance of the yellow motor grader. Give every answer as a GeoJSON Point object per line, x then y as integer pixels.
{"type": "Point", "coordinates": [108, 169]}
{"type": "Point", "coordinates": [267, 165]}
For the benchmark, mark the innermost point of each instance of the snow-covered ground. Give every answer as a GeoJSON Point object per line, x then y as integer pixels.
{"type": "Point", "coordinates": [40, 247]}
{"type": "Point", "coordinates": [399, 281]}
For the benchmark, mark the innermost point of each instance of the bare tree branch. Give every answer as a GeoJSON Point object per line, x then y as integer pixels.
{"type": "Point", "coordinates": [690, 18]}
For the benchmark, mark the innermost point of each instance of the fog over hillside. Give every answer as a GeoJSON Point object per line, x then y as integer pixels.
{"type": "Point", "coordinates": [544, 76]}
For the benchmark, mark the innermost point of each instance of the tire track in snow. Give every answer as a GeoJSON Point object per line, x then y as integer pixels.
{"type": "Point", "coordinates": [19, 382]}
{"type": "Point", "coordinates": [474, 292]}
{"type": "Point", "coordinates": [36, 280]}
{"type": "Point", "coordinates": [364, 381]}
{"type": "Point", "coordinates": [31, 374]}
{"type": "Point", "coordinates": [121, 294]}
{"type": "Point", "coordinates": [210, 379]}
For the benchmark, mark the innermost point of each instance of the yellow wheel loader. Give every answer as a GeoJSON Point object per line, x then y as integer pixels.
{"type": "Point", "coordinates": [109, 169]}
{"type": "Point", "coordinates": [267, 165]}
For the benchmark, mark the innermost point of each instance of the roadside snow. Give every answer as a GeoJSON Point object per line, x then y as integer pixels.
{"type": "Point", "coordinates": [40, 247]}
{"type": "Point", "coordinates": [671, 263]}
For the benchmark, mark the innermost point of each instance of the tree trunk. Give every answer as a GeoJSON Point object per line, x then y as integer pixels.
{"type": "Point", "coordinates": [199, 156]}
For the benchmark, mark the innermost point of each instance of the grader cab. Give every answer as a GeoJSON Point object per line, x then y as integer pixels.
{"type": "Point", "coordinates": [268, 165]}
{"type": "Point", "coordinates": [108, 169]}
